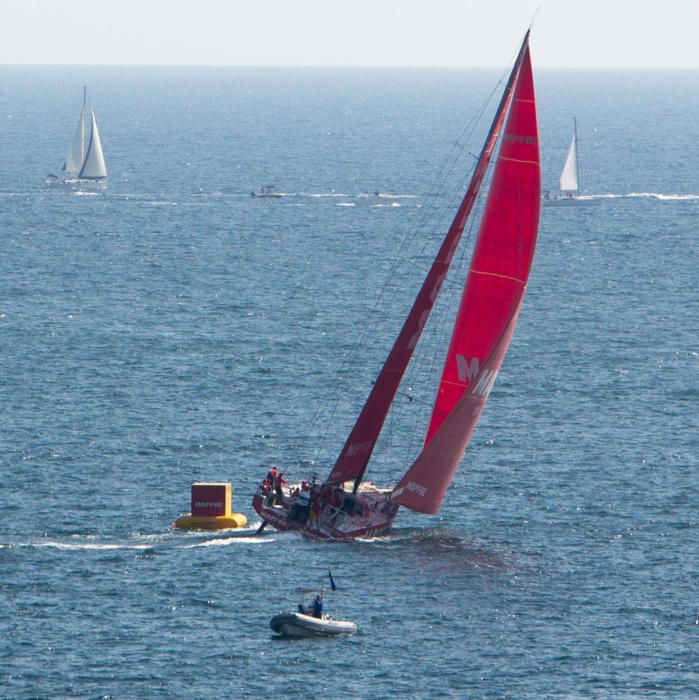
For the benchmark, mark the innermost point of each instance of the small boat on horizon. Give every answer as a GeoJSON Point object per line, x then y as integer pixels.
{"type": "Point", "coordinates": [84, 163]}
{"type": "Point", "coordinates": [568, 182]}
{"type": "Point", "coordinates": [345, 505]}
{"type": "Point", "coordinates": [265, 191]}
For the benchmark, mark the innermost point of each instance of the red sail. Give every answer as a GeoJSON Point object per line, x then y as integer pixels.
{"type": "Point", "coordinates": [489, 305]}
{"type": "Point", "coordinates": [355, 454]}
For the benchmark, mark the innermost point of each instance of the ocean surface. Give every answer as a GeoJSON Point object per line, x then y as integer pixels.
{"type": "Point", "coordinates": [172, 328]}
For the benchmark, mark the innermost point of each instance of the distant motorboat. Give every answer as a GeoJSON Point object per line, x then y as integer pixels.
{"type": "Point", "coordinates": [85, 160]}
{"type": "Point", "coordinates": [568, 182]}
{"type": "Point", "coordinates": [265, 191]}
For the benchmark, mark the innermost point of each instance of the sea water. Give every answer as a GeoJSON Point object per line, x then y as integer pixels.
{"type": "Point", "coordinates": [170, 328]}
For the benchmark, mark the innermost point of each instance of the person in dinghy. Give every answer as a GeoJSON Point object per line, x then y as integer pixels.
{"type": "Point", "coordinates": [310, 621]}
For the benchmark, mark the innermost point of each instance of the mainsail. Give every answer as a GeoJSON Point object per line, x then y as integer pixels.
{"type": "Point", "coordinates": [489, 305]}
{"type": "Point", "coordinates": [76, 154]}
{"type": "Point", "coordinates": [357, 450]}
{"type": "Point", "coordinates": [568, 181]}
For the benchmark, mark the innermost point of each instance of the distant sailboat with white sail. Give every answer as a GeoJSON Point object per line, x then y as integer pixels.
{"type": "Point", "coordinates": [568, 182]}
{"type": "Point", "coordinates": [85, 160]}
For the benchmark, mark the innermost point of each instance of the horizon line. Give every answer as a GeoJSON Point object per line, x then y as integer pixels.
{"type": "Point", "coordinates": [329, 66]}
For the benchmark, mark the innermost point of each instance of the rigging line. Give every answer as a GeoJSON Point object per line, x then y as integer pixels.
{"type": "Point", "coordinates": [462, 273]}
{"type": "Point", "coordinates": [448, 282]}
{"type": "Point", "coordinates": [350, 359]}
{"type": "Point", "coordinates": [370, 325]}
{"type": "Point", "coordinates": [434, 343]}
{"type": "Point", "coordinates": [456, 151]}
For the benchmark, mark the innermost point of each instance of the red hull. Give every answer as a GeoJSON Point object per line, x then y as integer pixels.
{"type": "Point", "coordinates": [368, 513]}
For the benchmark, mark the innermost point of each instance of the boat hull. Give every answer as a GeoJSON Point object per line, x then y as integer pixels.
{"type": "Point", "coordinates": [74, 182]}
{"type": "Point", "coordinates": [368, 513]}
{"type": "Point", "coordinates": [559, 201]}
{"type": "Point", "coordinates": [300, 625]}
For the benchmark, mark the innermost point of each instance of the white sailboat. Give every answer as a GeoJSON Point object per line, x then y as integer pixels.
{"type": "Point", "coordinates": [568, 182]}
{"type": "Point", "coordinates": [85, 160]}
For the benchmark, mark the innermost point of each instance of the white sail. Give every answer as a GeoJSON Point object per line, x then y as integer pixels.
{"type": "Point", "coordinates": [569, 175]}
{"type": "Point", "coordinates": [94, 167]}
{"type": "Point", "coordinates": [76, 154]}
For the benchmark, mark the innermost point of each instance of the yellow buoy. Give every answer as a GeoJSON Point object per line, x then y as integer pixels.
{"type": "Point", "coordinates": [211, 508]}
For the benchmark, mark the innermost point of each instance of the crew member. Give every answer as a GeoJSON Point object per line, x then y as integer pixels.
{"type": "Point", "coordinates": [279, 480]}
{"type": "Point", "coordinates": [318, 607]}
{"type": "Point", "coordinates": [271, 475]}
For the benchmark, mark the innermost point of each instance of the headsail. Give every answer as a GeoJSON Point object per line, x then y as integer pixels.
{"type": "Point", "coordinates": [94, 167]}
{"type": "Point", "coordinates": [489, 305]}
{"type": "Point", "coordinates": [355, 454]}
{"type": "Point", "coordinates": [568, 181]}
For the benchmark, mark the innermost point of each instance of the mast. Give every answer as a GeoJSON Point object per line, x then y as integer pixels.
{"type": "Point", "coordinates": [82, 128]}
{"type": "Point", "coordinates": [577, 164]}
{"type": "Point", "coordinates": [354, 457]}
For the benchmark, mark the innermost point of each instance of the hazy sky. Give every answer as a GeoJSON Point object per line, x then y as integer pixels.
{"type": "Point", "coordinates": [567, 33]}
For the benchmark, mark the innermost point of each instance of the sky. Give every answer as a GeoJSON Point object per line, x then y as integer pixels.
{"type": "Point", "coordinates": [566, 33]}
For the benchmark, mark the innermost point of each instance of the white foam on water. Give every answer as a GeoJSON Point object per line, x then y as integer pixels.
{"type": "Point", "coordinates": [84, 545]}
{"type": "Point", "coordinates": [225, 541]}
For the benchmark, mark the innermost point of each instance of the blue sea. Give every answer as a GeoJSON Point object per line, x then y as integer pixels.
{"type": "Point", "coordinates": [171, 328]}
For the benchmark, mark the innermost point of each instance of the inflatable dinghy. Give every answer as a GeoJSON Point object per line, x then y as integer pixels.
{"type": "Point", "coordinates": [296, 624]}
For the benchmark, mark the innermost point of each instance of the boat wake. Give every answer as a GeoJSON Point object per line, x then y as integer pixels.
{"type": "Point", "coordinates": [141, 541]}
{"type": "Point", "coordinates": [225, 541]}
{"type": "Point", "coordinates": [447, 549]}
{"type": "Point", "coordinates": [367, 196]}
{"type": "Point", "coordinates": [645, 195]}
{"type": "Point", "coordinates": [57, 544]}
